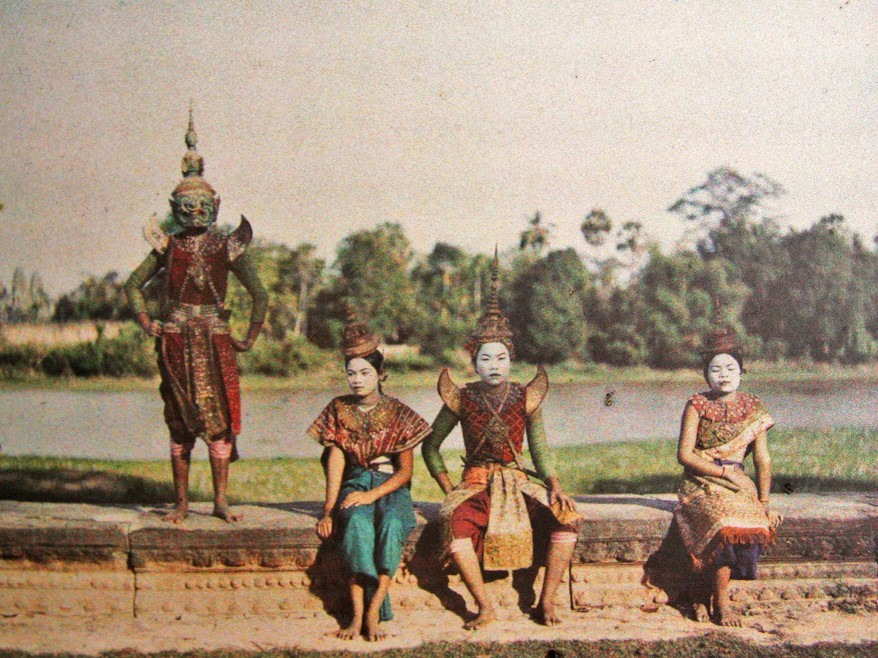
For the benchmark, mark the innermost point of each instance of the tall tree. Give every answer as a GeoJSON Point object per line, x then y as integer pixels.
{"type": "Point", "coordinates": [449, 285]}
{"type": "Point", "coordinates": [536, 237]}
{"type": "Point", "coordinates": [545, 306]}
{"type": "Point", "coordinates": [96, 298]}
{"type": "Point", "coordinates": [38, 308]}
{"type": "Point", "coordinates": [374, 278]}
{"type": "Point", "coordinates": [596, 227]}
{"type": "Point", "coordinates": [735, 224]}
{"type": "Point", "coordinates": [823, 301]}
{"type": "Point", "coordinates": [680, 295]}
{"type": "Point", "coordinates": [727, 198]}
{"type": "Point", "coordinates": [300, 273]}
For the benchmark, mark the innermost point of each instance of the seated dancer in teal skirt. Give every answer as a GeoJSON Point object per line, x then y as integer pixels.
{"type": "Point", "coordinates": [369, 439]}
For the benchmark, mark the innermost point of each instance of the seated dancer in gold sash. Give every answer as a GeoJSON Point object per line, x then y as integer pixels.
{"type": "Point", "coordinates": [369, 439]}
{"type": "Point", "coordinates": [491, 514]}
{"type": "Point", "coordinates": [722, 514]}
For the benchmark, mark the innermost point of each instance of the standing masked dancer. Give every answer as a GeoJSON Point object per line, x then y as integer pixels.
{"type": "Point", "coordinates": [722, 514]}
{"type": "Point", "coordinates": [491, 515]}
{"type": "Point", "coordinates": [369, 439]}
{"type": "Point", "coordinates": [196, 352]}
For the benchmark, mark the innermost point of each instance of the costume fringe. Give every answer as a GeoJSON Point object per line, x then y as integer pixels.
{"type": "Point", "coordinates": [733, 536]}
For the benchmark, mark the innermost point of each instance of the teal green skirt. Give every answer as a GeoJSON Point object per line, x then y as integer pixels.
{"type": "Point", "coordinates": [372, 536]}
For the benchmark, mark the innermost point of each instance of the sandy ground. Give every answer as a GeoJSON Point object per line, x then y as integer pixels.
{"type": "Point", "coordinates": [92, 636]}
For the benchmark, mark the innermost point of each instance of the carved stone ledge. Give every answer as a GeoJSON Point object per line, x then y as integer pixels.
{"type": "Point", "coordinates": [93, 560]}
{"type": "Point", "coordinates": [89, 593]}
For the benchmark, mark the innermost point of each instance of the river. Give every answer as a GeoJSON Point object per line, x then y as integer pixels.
{"type": "Point", "coordinates": [129, 425]}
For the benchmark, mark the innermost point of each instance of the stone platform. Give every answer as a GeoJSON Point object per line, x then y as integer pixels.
{"type": "Point", "coordinates": [103, 561]}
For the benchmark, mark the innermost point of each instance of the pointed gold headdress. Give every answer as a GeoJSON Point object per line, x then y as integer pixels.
{"type": "Point", "coordinates": [722, 339]}
{"type": "Point", "coordinates": [493, 326]}
{"type": "Point", "coordinates": [192, 166]}
{"type": "Point", "coordinates": [356, 339]}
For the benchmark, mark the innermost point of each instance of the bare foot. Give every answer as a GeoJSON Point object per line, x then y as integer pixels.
{"type": "Point", "coordinates": [224, 512]}
{"type": "Point", "coordinates": [546, 616]}
{"type": "Point", "coordinates": [485, 617]}
{"type": "Point", "coordinates": [178, 515]}
{"type": "Point", "coordinates": [349, 632]}
{"type": "Point", "coordinates": [726, 617]}
{"type": "Point", "coordinates": [374, 633]}
{"type": "Point", "coordinates": [700, 613]}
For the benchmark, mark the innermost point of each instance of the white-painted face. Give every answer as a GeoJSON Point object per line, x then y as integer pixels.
{"type": "Point", "coordinates": [493, 363]}
{"type": "Point", "coordinates": [723, 374]}
{"type": "Point", "coordinates": [362, 377]}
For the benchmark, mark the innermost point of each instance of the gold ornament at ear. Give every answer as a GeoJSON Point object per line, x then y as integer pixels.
{"type": "Point", "coordinates": [154, 235]}
{"type": "Point", "coordinates": [535, 391]}
{"type": "Point", "coordinates": [449, 391]}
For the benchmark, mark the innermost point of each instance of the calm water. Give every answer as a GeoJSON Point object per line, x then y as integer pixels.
{"type": "Point", "coordinates": [129, 425]}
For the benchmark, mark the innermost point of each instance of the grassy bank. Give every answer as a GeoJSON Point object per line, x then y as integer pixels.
{"type": "Point", "coordinates": [712, 645]}
{"type": "Point", "coordinates": [803, 461]}
{"type": "Point", "coordinates": [402, 378]}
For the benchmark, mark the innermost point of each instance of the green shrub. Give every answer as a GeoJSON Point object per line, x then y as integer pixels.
{"type": "Point", "coordinates": [410, 363]}
{"type": "Point", "coordinates": [283, 358]}
{"type": "Point", "coordinates": [129, 353]}
{"type": "Point", "coordinates": [18, 360]}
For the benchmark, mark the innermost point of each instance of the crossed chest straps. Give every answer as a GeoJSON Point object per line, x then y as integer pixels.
{"type": "Point", "coordinates": [495, 436]}
{"type": "Point", "coordinates": [197, 272]}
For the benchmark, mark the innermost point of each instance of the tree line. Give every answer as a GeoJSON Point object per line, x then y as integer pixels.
{"type": "Point", "coordinates": [799, 294]}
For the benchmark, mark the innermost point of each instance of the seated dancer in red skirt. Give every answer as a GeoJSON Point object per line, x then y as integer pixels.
{"type": "Point", "coordinates": [490, 516]}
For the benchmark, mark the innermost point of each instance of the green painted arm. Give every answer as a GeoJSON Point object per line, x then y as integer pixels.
{"type": "Point", "coordinates": [245, 271]}
{"type": "Point", "coordinates": [139, 278]}
{"type": "Point", "coordinates": [539, 447]}
{"type": "Point", "coordinates": [442, 426]}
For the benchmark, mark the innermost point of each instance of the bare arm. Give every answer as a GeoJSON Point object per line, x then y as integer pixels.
{"type": "Point", "coordinates": [762, 461]}
{"type": "Point", "coordinates": [334, 470]}
{"type": "Point", "coordinates": [401, 476]}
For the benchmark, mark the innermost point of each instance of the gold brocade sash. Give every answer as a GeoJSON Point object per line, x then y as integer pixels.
{"type": "Point", "coordinates": [742, 440]}
{"type": "Point", "coordinates": [513, 483]}
{"type": "Point", "coordinates": [709, 505]}
{"type": "Point", "coordinates": [509, 537]}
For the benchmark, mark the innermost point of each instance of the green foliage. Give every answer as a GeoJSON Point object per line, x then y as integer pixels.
{"type": "Point", "coordinates": [26, 300]}
{"type": "Point", "coordinates": [536, 237]}
{"type": "Point", "coordinates": [284, 358]}
{"type": "Point", "coordinates": [546, 300]}
{"type": "Point", "coordinates": [679, 295]}
{"type": "Point", "coordinates": [615, 339]}
{"type": "Point", "coordinates": [825, 298]}
{"type": "Point", "coordinates": [96, 298]}
{"type": "Point", "coordinates": [129, 353]}
{"type": "Point", "coordinates": [810, 294]}
{"type": "Point", "coordinates": [451, 285]}
{"type": "Point", "coordinates": [18, 360]}
{"type": "Point", "coordinates": [596, 227]}
{"type": "Point", "coordinates": [374, 278]}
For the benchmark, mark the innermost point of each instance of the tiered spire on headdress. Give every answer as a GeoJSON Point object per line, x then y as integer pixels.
{"type": "Point", "coordinates": [722, 339]}
{"type": "Point", "coordinates": [192, 165]}
{"type": "Point", "coordinates": [357, 340]}
{"type": "Point", "coordinates": [493, 326]}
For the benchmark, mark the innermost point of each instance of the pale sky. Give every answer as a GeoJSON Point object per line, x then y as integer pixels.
{"type": "Point", "coordinates": [456, 119]}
